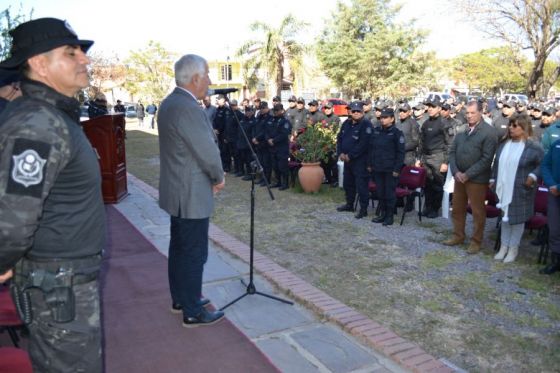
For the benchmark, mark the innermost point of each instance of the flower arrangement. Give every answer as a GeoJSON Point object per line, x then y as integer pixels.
{"type": "Point", "coordinates": [315, 143]}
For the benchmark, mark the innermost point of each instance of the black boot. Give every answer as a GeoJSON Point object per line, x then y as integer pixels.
{"type": "Point", "coordinates": [345, 207]}
{"type": "Point", "coordinates": [409, 204]}
{"type": "Point", "coordinates": [379, 218]}
{"type": "Point", "coordinates": [388, 219]}
{"type": "Point", "coordinates": [362, 213]}
{"type": "Point", "coordinates": [284, 178]}
{"type": "Point", "coordinates": [553, 267]}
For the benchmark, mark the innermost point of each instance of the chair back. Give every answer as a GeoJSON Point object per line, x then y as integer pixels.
{"type": "Point", "coordinates": [541, 200]}
{"type": "Point", "coordinates": [412, 177]}
{"type": "Point", "coordinates": [491, 198]}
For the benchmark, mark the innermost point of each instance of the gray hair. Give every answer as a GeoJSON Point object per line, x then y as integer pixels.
{"type": "Point", "coordinates": [187, 67]}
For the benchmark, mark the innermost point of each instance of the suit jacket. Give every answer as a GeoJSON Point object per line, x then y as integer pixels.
{"type": "Point", "coordinates": [523, 199]}
{"type": "Point", "coordinates": [190, 161]}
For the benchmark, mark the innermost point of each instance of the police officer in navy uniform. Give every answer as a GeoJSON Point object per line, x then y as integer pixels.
{"type": "Point", "coordinates": [219, 125]}
{"type": "Point", "coordinates": [247, 125]}
{"type": "Point", "coordinates": [433, 151]}
{"type": "Point", "coordinates": [386, 157]}
{"type": "Point", "coordinates": [231, 132]}
{"type": "Point", "coordinates": [278, 139]}
{"type": "Point", "coordinates": [52, 214]}
{"type": "Point", "coordinates": [264, 121]}
{"type": "Point", "coordinates": [352, 148]}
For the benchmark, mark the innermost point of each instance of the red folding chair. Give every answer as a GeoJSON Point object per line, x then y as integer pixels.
{"type": "Point", "coordinates": [9, 319]}
{"type": "Point", "coordinates": [14, 360]}
{"type": "Point", "coordinates": [411, 185]}
{"type": "Point", "coordinates": [539, 222]}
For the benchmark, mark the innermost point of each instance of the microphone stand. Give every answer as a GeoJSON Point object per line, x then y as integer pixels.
{"type": "Point", "coordinates": [256, 166]}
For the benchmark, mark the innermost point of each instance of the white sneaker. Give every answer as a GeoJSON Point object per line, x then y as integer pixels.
{"type": "Point", "coordinates": [511, 255]}
{"type": "Point", "coordinates": [502, 253]}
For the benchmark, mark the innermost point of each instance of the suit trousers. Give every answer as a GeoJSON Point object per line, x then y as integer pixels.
{"type": "Point", "coordinates": [188, 251]}
{"type": "Point", "coordinates": [553, 217]}
{"type": "Point", "coordinates": [462, 194]}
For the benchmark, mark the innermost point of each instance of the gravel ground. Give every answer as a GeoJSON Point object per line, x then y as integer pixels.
{"type": "Point", "coordinates": [481, 315]}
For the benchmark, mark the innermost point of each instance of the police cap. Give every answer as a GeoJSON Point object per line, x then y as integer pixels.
{"type": "Point", "coordinates": [292, 99]}
{"type": "Point", "coordinates": [380, 104]}
{"type": "Point", "coordinates": [445, 106]}
{"type": "Point", "coordinates": [549, 109]}
{"type": "Point", "coordinates": [404, 107]}
{"type": "Point", "coordinates": [300, 100]}
{"type": "Point", "coordinates": [433, 102]}
{"type": "Point", "coordinates": [263, 105]}
{"type": "Point", "coordinates": [387, 112]}
{"type": "Point", "coordinates": [278, 107]}
{"type": "Point", "coordinates": [39, 36]}
{"type": "Point", "coordinates": [276, 98]}
{"type": "Point", "coordinates": [419, 106]}
{"type": "Point", "coordinates": [233, 102]}
{"type": "Point", "coordinates": [313, 103]}
{"type": "Point", "coordinates": [328, 105]}
{"type": "Point", "coordinates": [249, 108]}
{"type": "Point", "coordinates": [8, 77]}
{"type": "Point", "coordinates": [356, 106]}
{"type": "Point", "coordinates": [510, 104]}
{"type": "Point", "coordinates": [367, 101]}
{"type": "Point", "coordinates": [538, 107]}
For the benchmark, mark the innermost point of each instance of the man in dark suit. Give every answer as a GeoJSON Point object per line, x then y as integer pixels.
{"type": "Point", "coordinates": [190, 174]}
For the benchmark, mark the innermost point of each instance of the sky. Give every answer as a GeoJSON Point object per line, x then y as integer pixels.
{"type": "Point", "coordinates": [215, 29]}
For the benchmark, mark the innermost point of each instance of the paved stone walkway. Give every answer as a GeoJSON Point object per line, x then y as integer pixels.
{"type": "Point", "coordinates": [317, 334]}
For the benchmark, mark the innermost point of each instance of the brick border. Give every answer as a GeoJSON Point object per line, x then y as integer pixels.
{"type": "Point", "coordinates": [405, 353]}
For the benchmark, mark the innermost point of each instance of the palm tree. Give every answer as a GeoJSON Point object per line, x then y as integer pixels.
{"type": "Point", "coordinates": [274, 47]}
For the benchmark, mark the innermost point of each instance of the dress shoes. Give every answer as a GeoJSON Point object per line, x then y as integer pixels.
{"type": "Point", "coordinates": [361, 214]}
{"type": "Point", "coordinates": [474, 248]}
{"type": "Point", "coordinates": [205, 317]}
{"type": "Point", "coordinates": [378, 219]}
{"type": "Point", "coordinates": [247, 177]}
{"type": "Point", "coordinates": [453, 241]}
{"type": "Point", "coordinates": [345, 208]}
{"type": "Point", "coordinates": [550, 269]}
{"type": "Point", "coordinates": [177, 308]}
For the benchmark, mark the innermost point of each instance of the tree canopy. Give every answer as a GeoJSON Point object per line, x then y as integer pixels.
{"type": "Point", "coordinates": [149, 72]}
{"type": "Point", "coordinates": [8, 21]}
{"type": "Point", "coordinates": [366, 53]}
{"type": "Point", "coordinates": [525, 25]}
{"type": "Point", "coordinates": [272, 50]}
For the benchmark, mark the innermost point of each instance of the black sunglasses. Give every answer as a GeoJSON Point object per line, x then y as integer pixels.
{"type": "Point", "coordinates": [514, 125]}
{"type": "Point", "coordinates": [356, 111]}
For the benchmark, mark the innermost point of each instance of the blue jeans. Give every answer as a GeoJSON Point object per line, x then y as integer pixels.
{"type": "Point", "coordinates": [188, 251]}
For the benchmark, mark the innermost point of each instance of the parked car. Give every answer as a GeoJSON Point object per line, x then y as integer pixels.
{"type": "Point", "coordinates": [130, 111]}
{"type": "Point", "coordinates": [339, 106]}
{"type": "Point", "coordinates": [84, 115]}
{"type": "Point", "coordinates": [517, 97]}
{"type": "Point", "coordinates": [439, 95]}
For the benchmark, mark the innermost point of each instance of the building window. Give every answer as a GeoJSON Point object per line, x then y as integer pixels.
{"type": "Point", "coordinates": [226, 72]}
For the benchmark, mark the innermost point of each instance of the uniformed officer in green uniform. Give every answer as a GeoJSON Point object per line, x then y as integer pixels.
{"type": "Point", "coordinates": [52, 217]}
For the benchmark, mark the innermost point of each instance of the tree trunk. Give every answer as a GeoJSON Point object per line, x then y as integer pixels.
{"type": "Point", "coordinates": [535, 80]}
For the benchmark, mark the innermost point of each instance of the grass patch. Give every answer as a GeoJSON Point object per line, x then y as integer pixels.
{"type": "Point", "coordinates": [439, 259]}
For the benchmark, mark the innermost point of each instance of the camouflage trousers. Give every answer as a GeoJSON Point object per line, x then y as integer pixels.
{"type": "Point", "coordinates": [73, 346]}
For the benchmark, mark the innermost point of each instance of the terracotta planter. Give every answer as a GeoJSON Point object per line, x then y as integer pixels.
{"type": "Point", "coordinates": [311, 177]}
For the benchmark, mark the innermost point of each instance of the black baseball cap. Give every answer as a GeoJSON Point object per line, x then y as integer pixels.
{"type": "Point", "coordinates": [292, 99]}
{"type": "Point", "coordinates": [313, 103]}
{"type": "Point", "coordinates": [39, 36]}
{"type": "Point", "coordinates": [300, 100]}
{"type": "Point", "coordinates": [387, 112]}
{"type": "Point", "coordinates": [278, 107]}
{"type": "Point", "coordinates": [276, 98]}
{"type": "Point", "coordinates": [404, 107]}
{"type": "Point", "coordinates": [356, 106]}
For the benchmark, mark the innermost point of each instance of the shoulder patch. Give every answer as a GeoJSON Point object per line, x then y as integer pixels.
{"type": "Point", "coordinates": [28, 166]}
{"type": "Point", "coordinates": [401, 139]}
{"type": "Point", "coordinates": [287, 125]}
{"type": "Point", "coordinates": [368, 130]}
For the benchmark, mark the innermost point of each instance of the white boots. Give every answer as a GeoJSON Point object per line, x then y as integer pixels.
{"type": "Point", "coordinates": [502, 253]}
{"type": "Point", "coordinates": [511, 254]}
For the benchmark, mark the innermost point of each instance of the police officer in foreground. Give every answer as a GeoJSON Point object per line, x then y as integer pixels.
{"type": "Point", "coordinates": [299, 117]}
{"type": "Point", "coordinates": [246, 125]}
{"type": "Point", "coordinates": [386, 156]}
{"type": "Point", "coordinates": [352, 148]}
{"type": "Point", "coordinates": [264, 120]}
{"type": "Point", "coordinates": [434, 146]}
{"type": "Point", "coordinates": [278, 139]}
{"type": "Point", "coordinates": [52, 216]}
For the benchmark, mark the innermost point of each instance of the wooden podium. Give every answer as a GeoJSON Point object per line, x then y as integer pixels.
{"type": "Point", "coordinates": [106, 135]}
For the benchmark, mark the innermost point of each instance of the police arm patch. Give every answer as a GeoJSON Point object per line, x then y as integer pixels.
{"type": "Point", "coordinates": [28, 166]}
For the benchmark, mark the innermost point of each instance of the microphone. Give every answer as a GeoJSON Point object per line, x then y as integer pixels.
{"type": "Point", "coordinates": [221, 91]}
